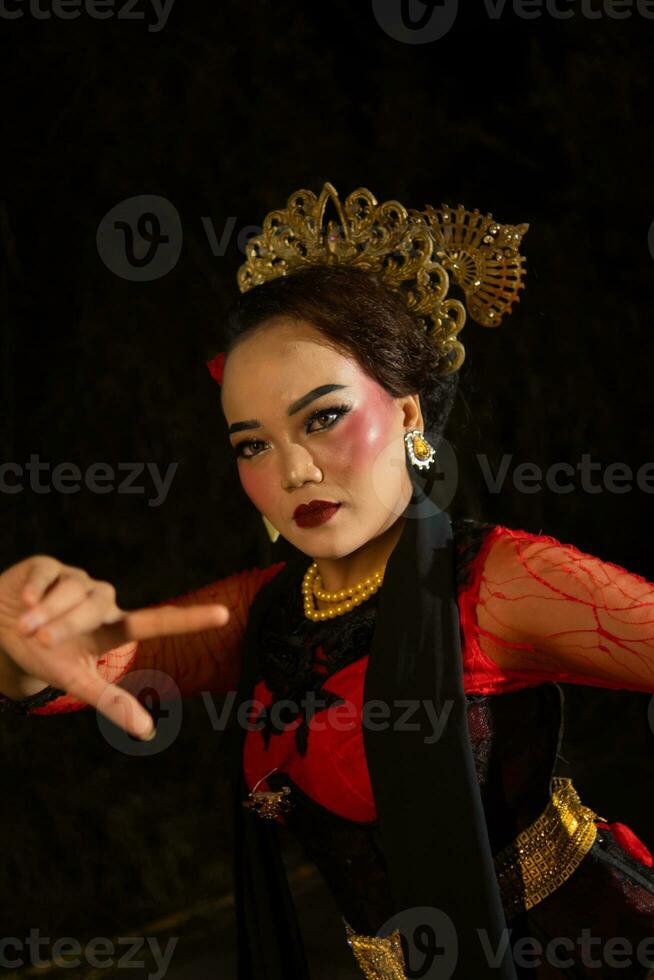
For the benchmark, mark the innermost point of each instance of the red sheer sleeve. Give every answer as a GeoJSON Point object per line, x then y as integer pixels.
{"type": "Point", "coordinates": [193, 662]}
{"type": "Point", "coordinates": [538, 610]}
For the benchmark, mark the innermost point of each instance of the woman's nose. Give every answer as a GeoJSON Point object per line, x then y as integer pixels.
{"type": "Point", "coordinates": [298, 467]}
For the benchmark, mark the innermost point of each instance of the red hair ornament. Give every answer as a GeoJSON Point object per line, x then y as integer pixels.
{"type": "Point", "coordinates": [217, 367]}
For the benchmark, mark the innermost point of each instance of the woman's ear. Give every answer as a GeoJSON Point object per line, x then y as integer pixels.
{"type": "Point", "coordinates": [412, 412]}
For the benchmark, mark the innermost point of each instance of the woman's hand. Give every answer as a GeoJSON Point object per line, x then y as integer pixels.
{"type": "Point", "coordinates": [56, 621]}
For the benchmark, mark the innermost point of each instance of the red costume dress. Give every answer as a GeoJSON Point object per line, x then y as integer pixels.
{"type": "Point", "coordinates": [306, 723]}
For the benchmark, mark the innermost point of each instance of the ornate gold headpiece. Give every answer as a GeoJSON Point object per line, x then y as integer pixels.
{"type": "Point", "coordinates": [414, 252]}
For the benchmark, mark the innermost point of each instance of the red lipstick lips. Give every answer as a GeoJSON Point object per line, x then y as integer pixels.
{"type": "Point", "coordinates": [315, 512]}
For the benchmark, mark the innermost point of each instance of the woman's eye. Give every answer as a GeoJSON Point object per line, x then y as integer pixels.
{"type": "Point", "coordinates": [240, 446]}
{"type": "Point", "coordinates": [335, 411]}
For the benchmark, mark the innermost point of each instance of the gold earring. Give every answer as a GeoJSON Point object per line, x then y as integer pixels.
{"type": "Point", "coordinates": [273, 533]}
{"type": "Point", "coordinates": [421, 453]}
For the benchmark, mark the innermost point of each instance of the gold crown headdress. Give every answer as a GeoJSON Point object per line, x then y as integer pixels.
{"type": "Point", "coordinates": [414, 253]}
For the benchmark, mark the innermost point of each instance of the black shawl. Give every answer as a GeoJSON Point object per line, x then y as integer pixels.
{"type": "Point", "coordinates": [432, 828]}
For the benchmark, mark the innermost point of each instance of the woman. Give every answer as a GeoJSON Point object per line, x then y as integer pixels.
{"type": "Point", "coordinates": [403, 715]}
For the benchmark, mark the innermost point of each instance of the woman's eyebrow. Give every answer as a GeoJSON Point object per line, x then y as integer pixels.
{"type": "Point", "coordinates": [294, 407]}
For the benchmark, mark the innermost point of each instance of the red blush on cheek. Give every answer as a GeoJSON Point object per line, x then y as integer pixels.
{"type": "Point", "coordinates": [363, 433]}
{"type": "Point", "coordinates": [257, 486]}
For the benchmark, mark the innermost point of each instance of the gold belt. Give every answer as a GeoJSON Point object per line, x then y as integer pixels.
{"type": "Point", "coordinates": [534, 865]}
{"type": "Point", "coordinates": [547, 852]}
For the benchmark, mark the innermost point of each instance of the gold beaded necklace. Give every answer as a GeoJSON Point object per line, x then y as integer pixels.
{"type": "Point", "coordinates": [343, 600]}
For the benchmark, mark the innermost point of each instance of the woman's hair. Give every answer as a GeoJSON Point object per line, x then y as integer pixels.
{"type": "Point", "coordinates": [362, 317]}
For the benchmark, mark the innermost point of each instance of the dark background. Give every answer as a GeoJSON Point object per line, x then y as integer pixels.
{"type": "Point", "coordinates": [224, 112]}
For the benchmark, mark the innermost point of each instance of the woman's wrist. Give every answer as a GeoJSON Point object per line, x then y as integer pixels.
{"type": "Point", "coordinates": [14, 682]}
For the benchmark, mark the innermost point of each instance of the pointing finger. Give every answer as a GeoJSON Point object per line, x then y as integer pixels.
{"type": "Point", "coordinates": [168, 621]}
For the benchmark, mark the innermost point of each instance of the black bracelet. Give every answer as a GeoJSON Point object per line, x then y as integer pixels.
{"type": "Point", "coordinates": [23, 705]}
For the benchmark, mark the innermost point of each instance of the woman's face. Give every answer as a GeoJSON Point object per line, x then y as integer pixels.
{"type": "Point", "coordinates": [294, 444]}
